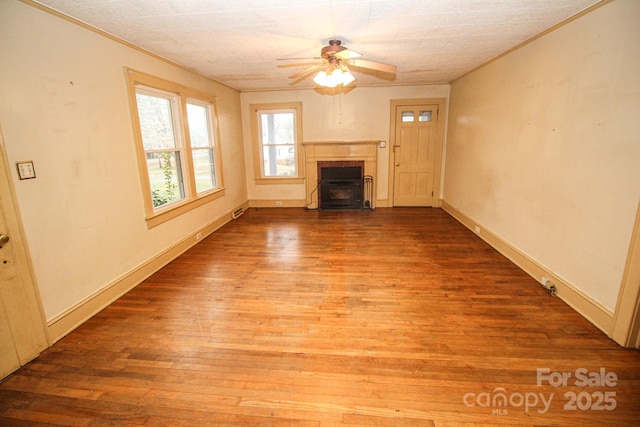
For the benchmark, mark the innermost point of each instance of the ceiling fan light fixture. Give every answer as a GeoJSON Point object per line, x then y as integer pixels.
{"type": "Point", "coordinates": [335, 77]}
{"type": "Point", "coordinates": [321, 78]}
{"type": "Point", "coordinates": [347, 77]}
{"type": "Point", "coordinates": [331, 81]}
{"type": "Point", "coordinates": [333, 70]}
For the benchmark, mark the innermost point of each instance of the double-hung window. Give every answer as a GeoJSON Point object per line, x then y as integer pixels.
{"type": "Point", "coordinates": [178, 153]}
{"type": "Point", "coordinates": [277, 131]}
{"type": "Point", "coordinates": [162, 144]}
{"type": "Point", "coordinates": [202, 145]}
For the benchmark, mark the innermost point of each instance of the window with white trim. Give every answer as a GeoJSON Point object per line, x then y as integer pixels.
{"type": "Point", "coordinates": [179, 156]}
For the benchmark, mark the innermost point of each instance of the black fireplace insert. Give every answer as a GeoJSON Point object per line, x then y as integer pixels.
{"type": "Point", "coordinates": [341, 187]}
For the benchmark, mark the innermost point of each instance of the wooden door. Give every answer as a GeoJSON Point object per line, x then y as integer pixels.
{"type": "Point", "coordinates": [22, 327]}
{"type": "Point", "coordinates": [414, 154]}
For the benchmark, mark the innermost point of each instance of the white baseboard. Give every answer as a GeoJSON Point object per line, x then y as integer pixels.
{"type": "Point", "coordinates": [75, 316]}
{"type": "Point", "coordinates": [293, 203]}
{"type": "Point", "coordinates": [277, 203]}
{"type": "Point", "coordinates": [586, 306]}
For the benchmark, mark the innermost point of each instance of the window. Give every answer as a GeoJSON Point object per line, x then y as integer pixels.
{"type": "Point", "coordinates": [177, 146]}
{"type": "Point", "coordinates": [202, 147]}
{"type": "Point", "coordinates": [424, 116]}
{"type": "Point", "coordinates": [277, 133]}
{"type": "Point", "coordinates": [408, 116]}
{"type": "Point", "coordinates": [162, 146]}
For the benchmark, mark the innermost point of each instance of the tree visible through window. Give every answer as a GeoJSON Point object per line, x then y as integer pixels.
{"type": "Point", "coordinates": [163, 149]}
{"type": "Point", "coordinates": [276, 130]}
{"type": "Point", "coordinates": [178, 151]}
{"type": "Point", "coordinates": [278, 143]}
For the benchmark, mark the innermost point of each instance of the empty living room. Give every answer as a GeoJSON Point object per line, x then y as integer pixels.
{"type": "Point", "coordinates": [320, 213]}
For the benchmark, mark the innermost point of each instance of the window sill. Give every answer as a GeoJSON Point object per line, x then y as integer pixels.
{"type": "Point", "coordinates": [171, 212]}
{"type": "Point", "coordinates": [276, 181]}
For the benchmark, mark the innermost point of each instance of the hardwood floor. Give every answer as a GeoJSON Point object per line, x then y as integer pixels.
{"type": "Point", "coordinates": [286, 317]}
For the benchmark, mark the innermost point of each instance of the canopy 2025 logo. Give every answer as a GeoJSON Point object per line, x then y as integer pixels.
{"type": "Point", "coordinates": [584, 401]}
{"type": "Point", "coordinates": [601, 399]}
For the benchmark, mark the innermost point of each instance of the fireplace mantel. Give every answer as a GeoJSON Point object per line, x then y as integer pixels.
{"type": "Point", "coordinates": [315, 151]}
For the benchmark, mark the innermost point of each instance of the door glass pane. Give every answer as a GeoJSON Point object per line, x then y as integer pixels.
{"type": "Point", "coordinates": [156, 122]}
{"type": "Point", "coordinates": [165, 177]}
{"type": "Point", "coordinates": [407, 116]}
{"type": "Point", "coordinates": [204, 170]}
{"type": "Point", "coordinates": [425, 116]}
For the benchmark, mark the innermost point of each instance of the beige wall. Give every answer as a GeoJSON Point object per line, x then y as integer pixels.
{"type": "Point", "coordinates": [360, 114]}
{"type": "Point", "coordinates": [64, 106]}
{"type": "Point", "coordinates": [544, 151]}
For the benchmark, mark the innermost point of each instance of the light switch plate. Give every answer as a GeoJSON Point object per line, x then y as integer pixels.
{"type": "Point", "coordinates": [26, 170]}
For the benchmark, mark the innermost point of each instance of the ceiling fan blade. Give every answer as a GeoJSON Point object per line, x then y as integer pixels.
{"type": "Point", "coordinates": [306, 71]}
{"type": "Point", "coordinates": [297, 64]}
{"type": "Point", "coordinates": [299, 59]}
{"type": "Point", "coordinates": [379, 66]}
{"type": "Point", "coordinates": [347, 54]}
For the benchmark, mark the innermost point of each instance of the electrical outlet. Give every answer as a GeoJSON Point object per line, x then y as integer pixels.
{"type": "Point", "coordinates": [545, 282]}
{"type": "Point", "coordinates": [278, 203]}
{"type": "Point", "coordinates": [477, 229]}
{"type": "Point", "coordinates": [198, 236]}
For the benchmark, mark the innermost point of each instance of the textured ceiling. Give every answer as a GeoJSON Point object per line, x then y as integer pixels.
{"type": "Point", "coordinates": [238, 42]}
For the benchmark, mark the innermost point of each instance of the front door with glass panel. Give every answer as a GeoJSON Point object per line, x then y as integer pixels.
{"type": "Point", "coordinates": [414, 155]}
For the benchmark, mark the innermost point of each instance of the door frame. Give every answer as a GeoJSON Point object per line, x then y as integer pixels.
{"type": "Point", "coordinates": [625, 328]}
{"type": "Point", "coordinates": [441, 118]}
{"type": "Point", "coordinates": [39, 340]}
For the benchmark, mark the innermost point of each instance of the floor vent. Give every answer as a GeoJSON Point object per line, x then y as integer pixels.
{"type": "Point", "coordinates": [237, 213]}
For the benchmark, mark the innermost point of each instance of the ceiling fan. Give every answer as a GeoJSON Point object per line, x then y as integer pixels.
{"type": "Point", "coordinates": [333, 69]}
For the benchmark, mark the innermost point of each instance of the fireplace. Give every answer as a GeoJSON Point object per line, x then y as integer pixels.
{"type": "Point", "coordinates": [341, 184]}
{"type": "Point", "coordinates": [318, 154]}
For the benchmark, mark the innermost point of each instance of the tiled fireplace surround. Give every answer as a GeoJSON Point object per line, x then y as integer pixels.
{"type": "Point", "coordinates": [338, 151]}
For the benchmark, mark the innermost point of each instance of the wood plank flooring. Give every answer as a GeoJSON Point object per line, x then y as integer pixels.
{"type": "Point", "coordinates": [286, 317]}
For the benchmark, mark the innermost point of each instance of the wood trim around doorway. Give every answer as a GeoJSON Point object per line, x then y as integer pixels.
{"type": "Point", "coordinates": [437, 175]}
{"type": "Point", "coordinates": [626, 320]}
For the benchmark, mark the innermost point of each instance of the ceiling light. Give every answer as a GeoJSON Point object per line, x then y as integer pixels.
{"type": "Point", "coordinates": [333, 77]}
{"type": "Point", "coordinates": [321, 78]}
{"type": "Point", "coordinates": [347, 77]}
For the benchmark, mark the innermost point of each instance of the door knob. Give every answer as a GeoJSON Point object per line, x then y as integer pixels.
{"type": "Point", "coordinates": [3, 239]}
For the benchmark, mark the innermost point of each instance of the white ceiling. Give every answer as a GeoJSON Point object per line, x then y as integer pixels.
{"type": "Point", "coordinates": [237, 42]}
